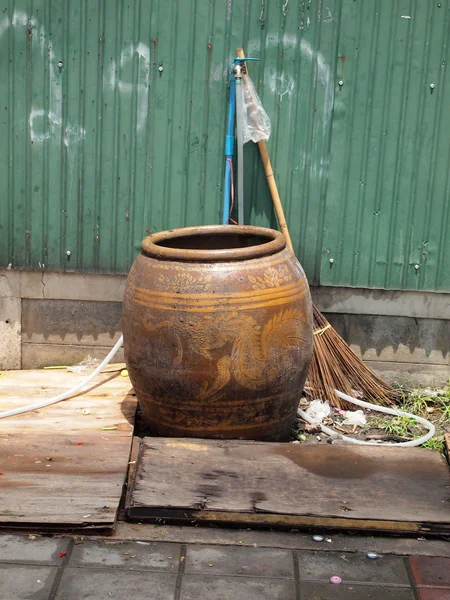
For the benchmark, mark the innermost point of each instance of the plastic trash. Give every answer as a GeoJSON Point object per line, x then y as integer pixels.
{"type": "Point", "coordinates": [318, 411]}
{"type": "Point", "coordinates": [428, 392]}
{"type": "Point", "coordinates": [255, 122]}
{"type": "Point", "coordinates": [85, 367]}
{"type": "Point", "coordinates": [354, 417]}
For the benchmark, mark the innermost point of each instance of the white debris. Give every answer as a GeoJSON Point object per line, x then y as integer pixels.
{"type": "Point", "coordinates": [318, 411]}
{"type": "Point", "coordinates": [354, 417]}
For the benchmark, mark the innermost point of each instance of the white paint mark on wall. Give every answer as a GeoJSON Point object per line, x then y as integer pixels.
{"type": "Point", "coordinates": [405, 17]}
{"type": "Point", "coordinates": [301, 21]}
{"type": "Point", "coordinates": [109, 79]}
{"type": "Point", "coordinates": [329, 16]}
{"type": "Point", "coordinates": [322, 66]}
{"type": "Point", "coordinates": [308, 19]}
{"type": "Point", "coordinates": [218, 72]}
{"type": "Point", "coordinates": [21, 18]}
{"type": "Point", "coordinates": [42, 40]}
{"type": "Point", "coordinates": [49, 120]}
{"type": "Point", "coordinates": [141, 88]}
{"type": "Point", "coordinates": [229, 9]}
{"type": "Point", "coordinates": [73, 134]}
{"type": "Point", "coordinates": [280, 84]}
{"type": "Point", "coordinates": [284, 83]}
{"type": "Point", "coordinates": [261, 14]}
{"type": "Point", "coordinates": [144, 52]}
{"type": "Point", "coordinates": [273, 40]}
{"type": "Point", "coordinates": [285, 7]}
{"type": "Point", "coordinates": [43, 124]}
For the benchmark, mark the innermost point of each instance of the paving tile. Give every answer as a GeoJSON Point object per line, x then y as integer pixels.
{"type": "Point", "coordinates": [104, 584]}
{"type": "Point", "coordinates": [320, 566]}
{"type": "Point", "coordinates": [433, 593]}
{"type": "Point", "coordinates": [430, 570]}
{"type": "Point", "coordinates": [200, 587]}
{"type": "Point", "coordinates": [20, 582]}
{"type": "Point", "coordinates": [222, 560]}
{"type": "Point", "coordinates": [43, 551]}
{"type": "Point", "coordinates": [129, 555]}
{"type": "Point", "coordinates": [324, 591]}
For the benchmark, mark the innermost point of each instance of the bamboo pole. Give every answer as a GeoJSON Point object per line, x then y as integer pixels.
{"type": "Point", "coordinates": [271, 182]}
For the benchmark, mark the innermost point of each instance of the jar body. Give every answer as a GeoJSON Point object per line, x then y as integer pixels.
{"type": "Point", "coordinates": [218, 349]}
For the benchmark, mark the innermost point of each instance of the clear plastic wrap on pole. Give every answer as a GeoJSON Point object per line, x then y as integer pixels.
{"type": "Point", "coordinates": [255, 122]}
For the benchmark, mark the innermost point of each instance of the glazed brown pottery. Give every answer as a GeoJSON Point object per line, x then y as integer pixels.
{"type": "Point", "coordinates": [217, 325]}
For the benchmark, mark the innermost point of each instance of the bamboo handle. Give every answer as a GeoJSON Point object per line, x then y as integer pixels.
{"type": "Point", "coordinates": [271, 181]}
{"type": "Point", "coordinates": [274, 193]}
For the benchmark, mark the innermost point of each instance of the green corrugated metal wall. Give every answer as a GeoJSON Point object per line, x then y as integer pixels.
{"type": "Point", "coordinates": [387, 206]}
{"type": "Point", "coordinates": [97, 146]}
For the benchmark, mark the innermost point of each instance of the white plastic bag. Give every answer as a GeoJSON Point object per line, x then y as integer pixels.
{"type": "Point", "coordinates": [255, 122]}
{"type": "Point", "coordinates": [85, 367]}
{"type": "Point", "coordinates": [318, 411]}
{"type": "Point", "coordinates": [354, 417]}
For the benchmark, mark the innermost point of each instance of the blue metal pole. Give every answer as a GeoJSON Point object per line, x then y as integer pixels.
{"type": "Point", "coordinates": [226, 193]}
{"type": "Point", "coordinates": [229, 149]}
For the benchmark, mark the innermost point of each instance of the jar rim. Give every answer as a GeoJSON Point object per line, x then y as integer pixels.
{"type": "Point", "coordinates": [163, 245]}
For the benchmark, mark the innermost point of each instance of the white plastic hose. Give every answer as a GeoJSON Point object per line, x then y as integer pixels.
{"type": "Point", "coordinates": [68, 393]}
{"type": "Point", "coordinates": [389, 411]}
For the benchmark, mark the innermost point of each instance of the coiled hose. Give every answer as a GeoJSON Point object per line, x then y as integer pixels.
{"type": "Point", "coordinates": [383, 409]}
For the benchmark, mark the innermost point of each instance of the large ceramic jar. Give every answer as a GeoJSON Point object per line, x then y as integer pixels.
{"type": "Point", "coordinates": [217, 325]}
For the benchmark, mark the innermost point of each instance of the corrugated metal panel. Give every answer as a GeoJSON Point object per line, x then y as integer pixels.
{"type": "Point", "coordinates": [105, 147]}
{"type": "Point", "coordinates": [388, 193]}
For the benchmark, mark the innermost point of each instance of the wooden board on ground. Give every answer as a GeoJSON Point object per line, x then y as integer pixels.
{"type": "Point", "coordinates": [63, 467]}
{"type": "Point", "coordinates": [398, 490]}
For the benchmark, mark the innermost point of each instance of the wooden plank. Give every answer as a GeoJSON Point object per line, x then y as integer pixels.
{"type": "Point", "coordinates": [63, 467]}
{"type": "Point", "coordinates": [132, 464]}
{"type": "Point", "coordinates": [251, 483]}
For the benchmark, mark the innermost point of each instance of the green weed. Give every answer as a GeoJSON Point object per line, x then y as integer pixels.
{"type": "Point", "coordinates": [425, 404]}
{"type": "Point", "coordinates": [436, 444]}
{"type": "Point", "coordinates": [400, 426]}
{"type": "Point", "coordinates": [444, 409]}
{"type": "Point", "coordinates": [418, 403]}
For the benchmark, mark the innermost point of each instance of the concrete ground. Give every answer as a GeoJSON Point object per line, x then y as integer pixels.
{"type": "Point", "coordinates": [222, 564]}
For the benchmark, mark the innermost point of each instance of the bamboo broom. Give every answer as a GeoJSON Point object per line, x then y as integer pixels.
{"type": "Point", "coordinates": [334, 365]}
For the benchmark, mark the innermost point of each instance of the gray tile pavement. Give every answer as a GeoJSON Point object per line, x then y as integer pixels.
{"type": "Point", "coordinates": [196, 587]}
{"type": "Point", "coordinates": [20, 582]}
{"type": "Point", "coordinates": [131, 556]}
{"type": "Point", "coordinates": [254, 562]}
{"type": "Point", "coordinates": [45, 568]}
{"type": "Point", "coordinates": [32, 549]}
{"type": "Point", "coordinates": [104, 584]}
{"type": "Point", "coordinates": [320, 566]}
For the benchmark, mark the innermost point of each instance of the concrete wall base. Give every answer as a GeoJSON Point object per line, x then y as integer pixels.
{"type": "Point", "coordinates": [10, 326]}
{"type": "Point", "coordinates": [62, 318]}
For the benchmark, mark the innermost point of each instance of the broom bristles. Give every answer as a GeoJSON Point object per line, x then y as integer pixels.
{"type": "Point", "coordinates": [334, 366]}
